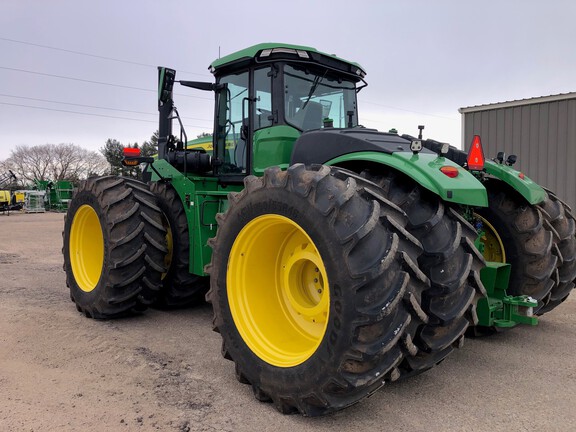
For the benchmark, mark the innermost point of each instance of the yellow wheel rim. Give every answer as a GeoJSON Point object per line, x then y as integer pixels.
{"type": "Point", "coordinates": [86, 248]}
{"type": "Point", "coordinates": [278, 290]}
{"type": "Point", "coordinates": [493, 246]}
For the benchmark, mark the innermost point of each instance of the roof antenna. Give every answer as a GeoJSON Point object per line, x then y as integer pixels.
{"type": "Point", "coordinates": [218, 51]}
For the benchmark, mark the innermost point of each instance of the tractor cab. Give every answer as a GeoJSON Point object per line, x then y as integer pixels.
{"type": "Point", "coordinates": [270, 94]}
{"type": "Point", "coordinates": [266, 97]}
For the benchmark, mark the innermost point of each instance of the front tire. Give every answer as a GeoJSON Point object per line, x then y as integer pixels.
{"type": "Point", "coordinates": [315, 289]}
{"type": "Point", "coordinates": [114, 247]}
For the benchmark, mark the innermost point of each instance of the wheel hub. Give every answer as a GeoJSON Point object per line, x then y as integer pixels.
{"type": "Point", "coordinates": [304, 284]}
{"type": "Point", "coordinates": [493, 246]}
{"type": "Point", "coordinates": [278, 291]}
{"type": "Point", "coordinates": [86, 248]}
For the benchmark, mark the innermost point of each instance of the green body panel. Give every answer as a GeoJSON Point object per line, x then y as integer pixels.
{"type": "Point", "coordinates": [531, 191]}
{"type": "Point", "coordinates": [251, 52]}
{"type": "Point", "coordinates": [273, 147]}
{"type": "Point", "coordinates": [424, 168]}
{"type": "Point", "coordinates": [499, 309]}
{"type": "Point", "coordinates": [202, 198]}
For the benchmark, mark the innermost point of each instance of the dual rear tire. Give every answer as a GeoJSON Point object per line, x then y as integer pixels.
{"type": "Point", "coordinates": [126, 246]}
{"type": "Point", "coordinates": [114, 247]}
{"type": "Point", "coordinates": [537, 240]}
{"type": "Point", "coordinates": [180, 288]}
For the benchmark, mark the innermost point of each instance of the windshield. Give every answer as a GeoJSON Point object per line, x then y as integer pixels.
{"type": "Point", "coordinates": [311, 98]}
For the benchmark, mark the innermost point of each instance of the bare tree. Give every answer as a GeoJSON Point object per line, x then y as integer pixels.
{"type": "Point", "coordinates": [55, 162]}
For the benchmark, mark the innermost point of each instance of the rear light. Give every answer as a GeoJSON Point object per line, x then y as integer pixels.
{"type": "Point", "coordinates": [131, 152]}
{"type": "Point", "coordinates": [476, 155]}
{"type": "Point", "coordinates": [130, 155]}
{"type": "Point", "coordinates": [521, 175]}
{"type": "Point", "coordinates": [449, 171]}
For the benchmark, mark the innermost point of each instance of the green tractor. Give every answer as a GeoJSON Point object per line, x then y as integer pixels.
{"type": "Point", "coordinates": [336, 258]}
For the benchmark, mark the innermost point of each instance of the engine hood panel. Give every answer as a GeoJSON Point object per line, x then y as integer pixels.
{"type": "Point", "coordinates": [322, 145]}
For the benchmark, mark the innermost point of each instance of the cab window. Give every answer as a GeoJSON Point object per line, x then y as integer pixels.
{"type": "Point", "coordinates": [263, 94]}
{"type": "Point", "coordinates": [310, 98]}
{"type": "Point", "coordinates": [235, 145]}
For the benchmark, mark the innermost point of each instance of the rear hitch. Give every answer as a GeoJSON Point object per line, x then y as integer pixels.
{"type": "Point", "coordinates": [499, 309]}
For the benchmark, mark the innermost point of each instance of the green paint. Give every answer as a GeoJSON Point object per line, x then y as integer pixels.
{"type": "Point", "coordinates": [498, 309]}
{"type": "Point", "coordinates": [273, 147]}
{"type": "Point", "coordinates": [479, 243]}
{"type": "Point", "coordinates": [202, 198]}
{"type": "Point", "coordinates": [424, 168]}
{"type": "Point", "coordinates": [531, 191]}
{"type": "Point", "coordinates": [253, 51]}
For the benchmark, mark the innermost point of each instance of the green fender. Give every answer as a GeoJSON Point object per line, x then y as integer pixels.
{"type": "Point", "coordinates": [531, 191]}
{"type": "Point", "coordinates": [424, 168]}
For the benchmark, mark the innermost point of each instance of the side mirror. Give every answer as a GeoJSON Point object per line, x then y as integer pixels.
{"type": "Point", "coordinates": [166, 79]}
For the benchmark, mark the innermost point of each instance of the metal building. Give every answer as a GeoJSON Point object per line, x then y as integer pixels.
{"type": "Point", "coordinates": [541, 131]}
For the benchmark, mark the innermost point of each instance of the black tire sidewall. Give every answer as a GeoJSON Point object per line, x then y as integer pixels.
{"type": "Point", "coordinates": [179, 243]}
{"type": "Point", "coordinates": [504, 205]}
{"type": "Point", "coordinates": [83, 298]}
{"type": "Point", "coordinates": [337, 337]}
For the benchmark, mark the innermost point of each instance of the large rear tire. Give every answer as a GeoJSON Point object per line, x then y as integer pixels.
{"type": "Point", "coordinates": [180, 287]}
{"type": "Point", "coordinates": [450, 260]}
{"type": "Point", "coordinates": [315, 288]}
{"type": "Point", "coordinates": [114, 247]}
{"type": "Point", "coordinates": [521, 230]}
{"type": "Point", "coordinates": [560, 221]}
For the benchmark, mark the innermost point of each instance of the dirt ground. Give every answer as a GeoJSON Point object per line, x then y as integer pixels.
{"type": "Point", "coordinates": [163, 370]}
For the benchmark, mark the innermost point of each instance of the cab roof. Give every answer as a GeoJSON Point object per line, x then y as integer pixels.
{"type": "Point", "coordinates": [271, 51]}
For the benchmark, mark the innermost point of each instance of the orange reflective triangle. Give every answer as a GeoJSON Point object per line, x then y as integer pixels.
{"type": "Point", "coordinates": [476, 155]}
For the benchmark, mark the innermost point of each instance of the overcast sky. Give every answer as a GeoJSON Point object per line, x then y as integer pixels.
{"type": "Point", "coordinates": [59, 82]}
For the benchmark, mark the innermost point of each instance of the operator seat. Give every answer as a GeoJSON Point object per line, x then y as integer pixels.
{"type": "Point", "coordinates": [310, 117]}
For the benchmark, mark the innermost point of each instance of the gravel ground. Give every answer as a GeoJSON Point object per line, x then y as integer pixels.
{"type": "Point", "coordinates": [163, 371]}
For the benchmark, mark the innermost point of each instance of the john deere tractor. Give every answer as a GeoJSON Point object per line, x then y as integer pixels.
{"type": "Point", "coordinates": [337, 258]}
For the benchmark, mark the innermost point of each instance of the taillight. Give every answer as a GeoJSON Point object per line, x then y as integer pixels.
{"type": "Point", "coordinates": [130, 155]}
{"type": "Point", "coordinates": [476, 155]}
{"type": "Point", "coordinates": [449, 171]}
{"type": "Point", "coordinates": [131, 152]}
